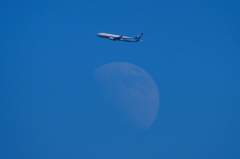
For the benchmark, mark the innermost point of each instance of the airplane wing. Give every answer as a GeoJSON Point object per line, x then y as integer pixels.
{"type": "Point", "coordinates": [115, 38]}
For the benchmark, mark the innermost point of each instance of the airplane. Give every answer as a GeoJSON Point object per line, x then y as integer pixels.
{"type": "Point", "coordinates": [120, 37]}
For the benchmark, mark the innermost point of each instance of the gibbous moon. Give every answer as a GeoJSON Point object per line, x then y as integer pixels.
{"type": "Point", "coordinates": [131, 92]}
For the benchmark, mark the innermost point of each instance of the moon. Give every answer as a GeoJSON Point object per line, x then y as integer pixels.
{"type": "Point", "coordinates": [131, 92]}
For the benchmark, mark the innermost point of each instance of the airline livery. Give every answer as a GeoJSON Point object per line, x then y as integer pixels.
{"type": "Point", "coordinates": [120, 37]}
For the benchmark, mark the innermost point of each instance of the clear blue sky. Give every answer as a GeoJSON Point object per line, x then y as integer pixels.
{"type": "Point", "coordinates": [49, 107]}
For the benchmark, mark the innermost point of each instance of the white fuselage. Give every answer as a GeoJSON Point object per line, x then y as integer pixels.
{"type": "Point", "coordinates": [118, 37]}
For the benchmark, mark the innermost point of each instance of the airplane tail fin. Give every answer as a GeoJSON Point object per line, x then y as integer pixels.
{"type": "Point", "coordinates": [139, 36]}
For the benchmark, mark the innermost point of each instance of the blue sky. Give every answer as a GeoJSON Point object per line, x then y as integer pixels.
{"type": "Point", "coordinates": [49, 106]}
